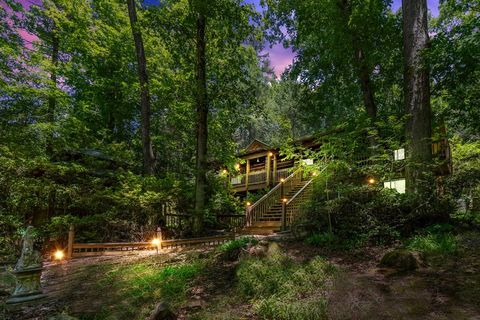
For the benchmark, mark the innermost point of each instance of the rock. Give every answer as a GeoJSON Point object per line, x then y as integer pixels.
{"type": "Point", "coordinates": [195, 304]}
{"type": "Point", "coordinates": [273, 249]}
{"type": "Point", "coordinates": [162, 312]}
{"type": "Point", "coordinates": [400, 259]}
{"type": "Point", "coordinates": [257, 251]}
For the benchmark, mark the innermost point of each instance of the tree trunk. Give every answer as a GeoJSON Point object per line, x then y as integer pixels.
{"type": "Point", "coordinates": [52, 100]}
{"type": "Point", "coordinates": [202, 126]}
{"type": "Point", "coordinates": [363, 73]}
{"type": "Point", "coordinates": [148, 156]}
{"type": "Point", "coordinates": [417, 95]}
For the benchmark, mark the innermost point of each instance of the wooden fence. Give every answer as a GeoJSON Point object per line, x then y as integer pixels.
{"type": "Point", "coordinates": [94, 249]}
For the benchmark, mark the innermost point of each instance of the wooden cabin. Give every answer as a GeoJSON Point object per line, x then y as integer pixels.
{"type": "Point", "coordinates": [262, 166]}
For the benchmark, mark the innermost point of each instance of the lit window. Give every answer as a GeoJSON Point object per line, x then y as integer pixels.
{"type": "Point", "coordinates": [308, 162]}
{"type": "Point", "coordinates": [398, 185]}
{"type": "Point", "coordinates": [399, 154]}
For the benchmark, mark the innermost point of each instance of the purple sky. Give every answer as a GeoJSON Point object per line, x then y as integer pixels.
{"type": "Point", "coordinates": [280, 57]}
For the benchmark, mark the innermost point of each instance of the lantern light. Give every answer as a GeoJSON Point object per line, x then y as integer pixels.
{"type": "Point", "coordinates": [284, 199]}
{"type": "Point", "coordinates": [156, 242]}
{"type": "Point", "coordinates": [58, 255]}
{"type": "Point", "coordinates": [237, 166]}
{"type": "Point", "coordinates": [248, 203]}
{"type": "Point", "coordinates": [371, 180]}
{"type": "Point", "coordinates": [314, 173]}
{"type": "Point", "coordinates": [282, 180]}
{"type": "Point", "coordinates": [224, 171]}
{"type": "Point", "coordinates": [270, 154]}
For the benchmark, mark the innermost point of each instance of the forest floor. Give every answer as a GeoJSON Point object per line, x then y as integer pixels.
{"type": "Point", "coordinates": [202, 284]}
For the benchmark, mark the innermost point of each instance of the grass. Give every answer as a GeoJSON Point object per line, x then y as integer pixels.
{"type": "Point", "coordinates": [319, 239]}
{"type": "Point", "coordinates": [142, 285]}
{"type": "Point", "coordinates": [281, 288]}
{"type": "Point", "coordinates": [236, 244]}
{"type": "Point", "coordinates": [438, 240]}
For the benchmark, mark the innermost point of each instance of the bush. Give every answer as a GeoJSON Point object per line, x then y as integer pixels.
{"type": "Point", "coordinates": [437, 239]}
{"type": "Point", "coordinates": [368, 215]}
{"type": "Point", "coordinates": [284, 289]}
{"type": "Point", "coordinates": [236, 244]}
{"type": "Point", "coordinates": [319, 239]}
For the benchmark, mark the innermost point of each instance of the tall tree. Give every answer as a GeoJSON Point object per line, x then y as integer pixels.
{"type": "Point", "coordinates": [148, 156]}
{"type": "Point", "coordinates": [417, 92]}
{"type": "Point", "coordinates": [202, 117]}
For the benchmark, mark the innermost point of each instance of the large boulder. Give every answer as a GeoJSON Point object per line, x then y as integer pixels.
{"type": "Point", "coordinates": [400, 259]}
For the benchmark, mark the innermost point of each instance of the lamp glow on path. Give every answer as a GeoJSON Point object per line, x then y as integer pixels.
{"type": "Point", "coordinates": [58, 255]}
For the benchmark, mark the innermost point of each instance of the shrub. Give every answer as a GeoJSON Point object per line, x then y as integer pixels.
{"type": "Point", "coordinates": [436, 240]}
{"type": "Point", "coordinates": [319, 239]}
{"type": "Point", "coordinates": [236, 244]}
{"type": "Point", "coordinates": [284, 289]}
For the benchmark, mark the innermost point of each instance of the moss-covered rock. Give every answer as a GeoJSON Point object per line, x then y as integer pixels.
{"type": "Point", "coordinates": [400, 259]}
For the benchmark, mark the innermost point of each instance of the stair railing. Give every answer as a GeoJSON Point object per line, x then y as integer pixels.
{"type": "Point", "coordinates": [259, 208]}
{"type": "Point", "coordinates": [292, 207]}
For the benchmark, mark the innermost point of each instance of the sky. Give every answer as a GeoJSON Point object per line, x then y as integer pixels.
{"type": "Point", "coordinates": [280, 57]}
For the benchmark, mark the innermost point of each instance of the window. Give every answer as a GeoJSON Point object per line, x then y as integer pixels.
{"type": "Point", "coordinates": [308, 162]}
{"type": "Point", "coordinates": [398, 185]}
{"type": "Point", "coordinates": [399, 154]}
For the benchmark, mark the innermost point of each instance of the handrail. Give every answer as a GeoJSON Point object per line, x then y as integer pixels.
{"type": "Point", "coordinates": [299, 192]}
{"type": "Point", "coordinates": [269, 199]}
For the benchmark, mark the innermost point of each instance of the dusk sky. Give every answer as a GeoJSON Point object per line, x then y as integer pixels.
{"type": "Point", "coordinates": [280, 57]}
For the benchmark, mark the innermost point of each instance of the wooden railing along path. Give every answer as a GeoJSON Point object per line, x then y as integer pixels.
{"type": "Point", "coordinates": [293, 207]}
{"type": "Point", "coordinates": [94, 249]}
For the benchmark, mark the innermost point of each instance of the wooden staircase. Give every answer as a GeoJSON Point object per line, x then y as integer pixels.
{"type": "Point", "coordinates": [277, 209]}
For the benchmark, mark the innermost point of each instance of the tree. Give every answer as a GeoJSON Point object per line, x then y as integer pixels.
{"type": "Point", "coordinates": [343, 61]}
{"type": "Point", "coordinates": [148, 156]}
{"type": "Point", "coordinates": [417, 92]}
{"type": "Point", "coordinates": [202, 116]}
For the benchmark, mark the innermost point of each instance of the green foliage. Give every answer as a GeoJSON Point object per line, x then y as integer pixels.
{"type": "Point", "coordinates": [146, 283]}
{"type": "Point", "coordinates": [284, 289]}
{"type": "Point", "coordinates": [436, 240]}
{"type": "Point", "coordinates": [236, 244]}
{"type": "Point", "coordinates": [319, 239]}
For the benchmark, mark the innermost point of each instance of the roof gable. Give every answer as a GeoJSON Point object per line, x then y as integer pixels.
{"type": "Point", "coordinates": [257, 145]}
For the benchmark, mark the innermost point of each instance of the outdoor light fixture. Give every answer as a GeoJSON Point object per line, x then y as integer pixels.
{"type": "Point", "coordinates": [224, 171]}
{"type": "Point", "coordinates": [270, 154]}
{"type": "Point", "coordinates": [314, 173]}
{"type": "Point", "coordinates": [282, 180]}
{"type": "Point", "coordinates": [237, 166]}
{"type": "Point", "coordinates": [58, 255]}
{"type": "Point", "coordinates": [284, 199]}
{"type": "Point", "coordinates": [248, 203]}
{"type": "Point", "coordinates": [371, 180]}
{"type": "Point", "coordinates": [156, 243]}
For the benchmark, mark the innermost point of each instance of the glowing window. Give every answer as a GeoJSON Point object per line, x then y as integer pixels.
{"type": "Point", "coordinates": [398, 185]}
{"type": "Point", "coordinates": [399, 154]}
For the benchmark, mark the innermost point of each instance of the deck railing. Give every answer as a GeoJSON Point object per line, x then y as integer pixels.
{"type": "Point", "coordinates": [259, 208]}
{"type": "Point", "coordinates": [293, 208]}
{"type": "Point", "coordinates": [258, 177]}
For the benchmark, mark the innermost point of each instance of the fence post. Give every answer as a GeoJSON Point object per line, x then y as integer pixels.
{"type": "Point", "coordinates": [159, 236]}
{"type": "Point", "coordinates": [284, 215]}
{"type": "Point", "coordinates": [71, 237]}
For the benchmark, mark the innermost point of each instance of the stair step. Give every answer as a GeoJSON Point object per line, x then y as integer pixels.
{"type": "Point", "coordinates": [265, 223]}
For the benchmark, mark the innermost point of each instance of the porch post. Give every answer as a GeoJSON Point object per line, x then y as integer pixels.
{"type": "Point", "coordinates": [274, 169]}
{"type": "Point", "coordinates": [246, 175]}
{"type": "Point", "coordinates": [267, 169]}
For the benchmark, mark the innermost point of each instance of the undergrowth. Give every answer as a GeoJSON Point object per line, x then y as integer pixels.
{"type": "Point", "coordinates": [145, 284]}
{"type": "Point", "coordinates": [284, 289]}
{"type": "Point", "coordinates": [236, 244]}
{"type": "Point", "coordinates": [435, 240]}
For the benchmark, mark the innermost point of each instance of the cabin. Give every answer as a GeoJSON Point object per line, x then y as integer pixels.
{"type": "Point", "coordinates": [262, 166]}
